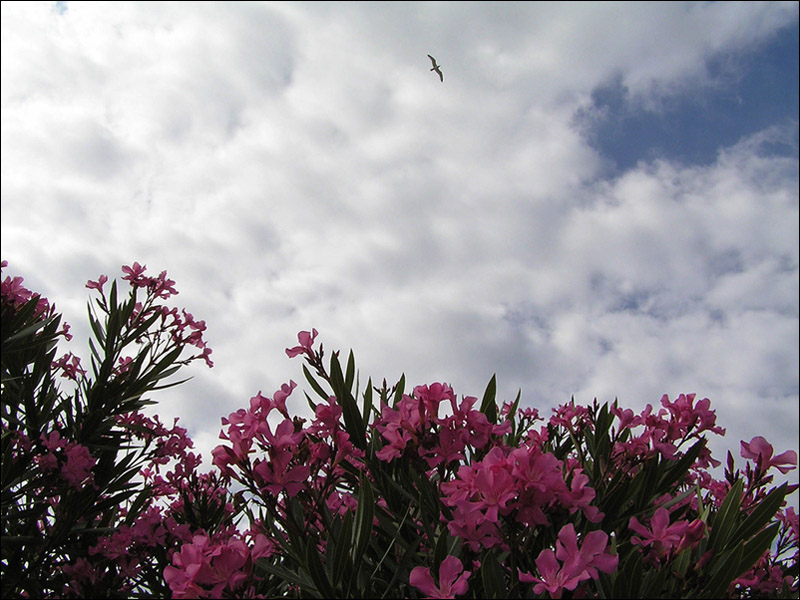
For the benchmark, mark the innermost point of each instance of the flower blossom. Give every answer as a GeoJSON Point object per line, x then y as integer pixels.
{"type": "Point", "coordinates": [661, 535]}
{"type": "Point", "coordinates": [577, 563]}
{"type": "Point", "coordinates": [97, 285]}
{"type": "Point", "coordinates": [135, 274]}
{"type": "Point", "coordinates": [202, 564]}
{"type": "Point", "coordinates": [306, 340]}
{"type": "Point", "coordinates": [452, 579]}
{"type": "Point", "coordinates": [760, 450]}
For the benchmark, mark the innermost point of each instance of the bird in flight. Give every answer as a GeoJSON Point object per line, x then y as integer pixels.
{"type": "Point", "coordinates": [436, 68]}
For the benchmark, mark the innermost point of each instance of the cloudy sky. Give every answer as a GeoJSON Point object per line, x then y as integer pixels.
{"type": "Point", "coordinates": [600, 200]}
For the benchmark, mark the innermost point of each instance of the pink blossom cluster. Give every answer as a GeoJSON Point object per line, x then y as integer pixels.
{"type": "Point", "coordinates": [69, 459]}
{"type": "Point", "coordinates": [59, 469]}
{"type": "Point", "coordinates": [664, 537]}
{"type": "Point", "coordinates": [522, 483]}
{"type": "Point", "coordinates": [414, 423]}
{"type": "Point", "coordinates": [15, 294]}
{"type": "Point", "coordinates": [570, 564]}
{"type": "Point", "coordinates": [182, 328]}
{"type": "Point", "coordinates": [492, 484]}
{"type": "Point", "coordinates": [678, 421]}
{"type": "Point", "coordinates": [205, 569]}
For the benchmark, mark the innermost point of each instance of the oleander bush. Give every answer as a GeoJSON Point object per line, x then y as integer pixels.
{"type": "Point", "coordinates": [387, 492]}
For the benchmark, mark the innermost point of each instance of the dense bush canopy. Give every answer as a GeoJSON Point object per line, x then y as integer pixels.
{"type": "Point", "coordinates": [385, 492]}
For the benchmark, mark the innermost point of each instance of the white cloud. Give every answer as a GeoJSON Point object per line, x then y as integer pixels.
{"type": "Point", "coordinates": [295, 166]}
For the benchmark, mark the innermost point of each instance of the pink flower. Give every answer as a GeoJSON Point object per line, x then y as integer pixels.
{"type": "Point", "coordinates": [686, 415]}
{"type": "Point", "coordinates": [284, 437]}
{"type": "Point", "coordinates": [202, 563]}
{"type": "Point", "coordinates": [581, 496]}
{"type": "Point", "coordinates": [470, 524]}
{"type": "Point", "coordinates": [70, 366]}
{"type": "Point", "coordinates": [695, 532]}
{"type": "Point", "coordinates": [162, 287]}
{"type": "Point", "coordinates": [552, 578]}
{"type": "Point", "coordinates": [97, 285]}
{"type": "Point", "coordinates": [627, 419]}
{"type": "Point", "coordinates": [431, 396]}
{"type": "Point", "coordinates": [579, 563]}
{"type": "Point", "coordinates": [398, 427]}
{"type": "Point", "coordinates": [661, 536]}
{"type": "Point", "coordinates": [494, 483]}
{"type": "Point", "coordinates": [449, 446]}
{"type": "Point", "coordinates": [79, 465]}
{"type": "Point", "coordinates": [276, 476]}
{"type": "Point", "coordinates": [279, 397]}
{"type": "Point", "coordinates": [306, 340]}
{"type": "Point", "coordinates": [761, 451]}
{"type": "Point", "coordinates": [135, 274]}
{"type": "Point", "coordinates": [590, 556]}
{"type": "Point", "coordinates": [452, 579]}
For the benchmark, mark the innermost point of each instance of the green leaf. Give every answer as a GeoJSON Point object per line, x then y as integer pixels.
{"type": "Point", "coordinates": [727, 565]}
{"type": "Point", "coordinates": [629, 578]}
{"type": "Point", "coordinates": [399, 389]}
{"type": "Point", "coordinates": [285, 574]}
{"type": "Point", "coordinates": [681, 563]}
{"type": "Point", "coordinates": [488, 405]}
{"type": "Point", "coordinates": [350, 371]}
{"type": "Point", "coordinates": [652, 583]}
{"type": "Point", "coordinates": [314, 384]}
{"type": "Point", "coordinates": [362, 532]}
{"type": "Point", "coordinates": [338, 549]}
{"type": "Point", "coordinates": [515, 405]}
{"type": "Point", "coordinates": [755, 548]}
{"type": "Point", "coordinates": [352, 418]}
{"type": "Point", "coordinates": [440, 550]}
{"type": "Point", "coordinates": [310, 402]}
{"type": "Point", "coordinates": [112, 302]}
{"type": "Point", "coordinates": [601, 434]}
{"type": "Point", "coordinates": [367, 413]}
{"type": "Point", "coordinates": [157, 372]}
{"type": "Point", "coordinates": [647, 478]}
{"type": "Point", "coordinates": [678, 469]}
{"type": "Point", "coordinates": [762, 514]}
{"type": "Point", "coordinates": [317, 571]}
{"type": "Point", "coordinates": [492, 577]}
{"type": "Point", "coordinates": [723, 522]}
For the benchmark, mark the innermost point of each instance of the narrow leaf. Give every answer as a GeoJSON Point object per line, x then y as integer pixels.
{"type": "Point", "coordinates": [488, 405]}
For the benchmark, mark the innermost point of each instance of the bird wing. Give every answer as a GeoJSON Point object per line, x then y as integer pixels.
{"type": "Point", "coordinates": [441, 77]}
{"type": "Point", "coordinates": [433, 60]}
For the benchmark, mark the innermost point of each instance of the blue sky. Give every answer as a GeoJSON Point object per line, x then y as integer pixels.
{"type": "Point", "coordinates": [600, 200]}
{"type": "Point", "coordinates": [760, 88]}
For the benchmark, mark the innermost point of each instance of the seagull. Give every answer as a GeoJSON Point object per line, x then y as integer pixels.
{"type": "Point", "coordinates": [436, 68]}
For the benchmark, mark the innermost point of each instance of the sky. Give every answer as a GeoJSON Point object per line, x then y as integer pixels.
{"type": "Point", "coordinates": [600, 200]}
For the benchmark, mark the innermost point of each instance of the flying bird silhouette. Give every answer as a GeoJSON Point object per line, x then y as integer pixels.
{"type": "Point", "coordinates": [436, 68]}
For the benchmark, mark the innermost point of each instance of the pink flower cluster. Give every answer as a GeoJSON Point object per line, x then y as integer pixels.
{"type": "Point", "coordinates": [415, 423]}
{"type": "Point", "coordinates": [679, 421]}
{"type": "Point", "coordinates": [16, 294]}
{"type": "Point", "coordinates": [570, 564]}
{"type": "Point", "coordinates": [73, 461]}
{"type": "Point", "coordinates": [183, 329]}
{"type": "Point", "coordinates": [523, 483]}
{"type": "Point", "coordinates": [62, 472]}
{"type": "Point", "coordinates": [204, 569]}
{"type": "Point", "coordinates": [491, 484]}
{"type": "Point", "coordinates": [452, 579]}
{"type": "Point", "coordinates": [663, 537]}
